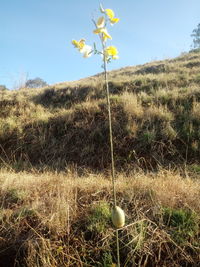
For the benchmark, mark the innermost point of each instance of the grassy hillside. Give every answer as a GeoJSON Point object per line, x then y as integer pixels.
{"type": "Point", "coordinates": [55, 187]}
{"type": "Point", "coordinates": [156, 119]}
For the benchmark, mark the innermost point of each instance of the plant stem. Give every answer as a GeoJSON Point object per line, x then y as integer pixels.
{"type": "Point", "coordinates": [111, 138]}
{"type": "Point", "coordinates": [118, 255]}
{"type": "Point", "coordinates": [111, 147]}
{"type": "Point", "coordinates": [110, 131]}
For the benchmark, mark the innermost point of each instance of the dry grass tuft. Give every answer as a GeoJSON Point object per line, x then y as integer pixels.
{"type": "Point", "coordinates": [132, 105]}
{"type": "Point", "coordinates": [196, 111]}
{"type": "Point", "coordinates": [161, 113]}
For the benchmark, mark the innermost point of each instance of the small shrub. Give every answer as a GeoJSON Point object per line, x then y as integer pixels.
{"type": "Point", "coordinates": [3, 88]}
{"type": "Point", "coordinates": [99, 218]}
{"type": "Point", "coordinates": [35, 83]}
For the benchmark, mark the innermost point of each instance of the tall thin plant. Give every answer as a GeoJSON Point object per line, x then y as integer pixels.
{"type": "Point", "coordinates": [107, 53]}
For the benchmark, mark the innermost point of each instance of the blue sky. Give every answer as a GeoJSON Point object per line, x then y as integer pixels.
{"type": "Point", "coordinates": [35, 36]}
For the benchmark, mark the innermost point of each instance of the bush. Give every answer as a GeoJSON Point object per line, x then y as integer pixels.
{"type": "Point", "coordinates": [35, 83]}
{"type": "Point", "coordinates": [3, 87]}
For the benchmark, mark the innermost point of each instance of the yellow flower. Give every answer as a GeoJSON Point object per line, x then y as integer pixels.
{"type": "Point", "coordinates": [79, 44]}
{"type": "Point", "coordinates": [105, 34]}
{"type": "Point", "coordinates": [111, 15]}
{"type": "Point", "coordinates": [114, 20]}
{"type": "Point", "coordinates": [101, 29]}
{"type": "Point", "coordinates": [111, 51]}
{"type": "Point", "coordinates": [86, 50]}
{"type": "Point", "coordinates": [100, 22]}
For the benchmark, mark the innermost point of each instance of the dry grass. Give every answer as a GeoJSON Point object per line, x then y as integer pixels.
{"type": "Point", "coordinates": [155, 110]}
{"type": "Point", "coordinates": [161, 113]}
{"type": "Point", "coordinates": [47, 219]}
{"type": "Point", "coordinates": [52, 218]}
{"type": "Point", "coordinates": [132, 105]}
{"type": "Point", "coordinates": [196, 111]}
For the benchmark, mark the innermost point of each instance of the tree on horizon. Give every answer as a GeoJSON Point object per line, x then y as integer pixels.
{"type": "Point", "coordinates": [35, 83]}
{"type": "Point", "coordinates": [196, 37]}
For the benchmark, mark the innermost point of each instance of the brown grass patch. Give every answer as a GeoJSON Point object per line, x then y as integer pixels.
{"type": "Point", "coordinates": [54, 220]}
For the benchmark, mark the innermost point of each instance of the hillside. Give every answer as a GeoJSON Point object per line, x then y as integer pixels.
{"type": "Point", "coordinates": [55, 186]}
{"type": "Point", "coordinates": [156, 119]}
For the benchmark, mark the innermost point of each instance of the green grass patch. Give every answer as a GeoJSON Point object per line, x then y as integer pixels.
{"type": "Point", "coordinates": [99, 218]}
{"type": "Point", "coordinates": [182, 223]}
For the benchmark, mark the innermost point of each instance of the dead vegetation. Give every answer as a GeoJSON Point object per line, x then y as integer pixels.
{"type": "Point", "coordinates": [64, 220]}
{"type": "Point", "coordinates": [155, 119]}
{"type": "Point", "coordinates": [55, 181]}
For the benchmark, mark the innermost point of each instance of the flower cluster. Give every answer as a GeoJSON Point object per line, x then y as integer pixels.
{"type": "Point", "coordinates": [86, 50]}
{"type": "Point", "coordinates": [109, 52]}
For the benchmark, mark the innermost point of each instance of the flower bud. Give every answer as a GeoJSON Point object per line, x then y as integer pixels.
{"type": "Point", "coordinates": [101, 9]}
{"type": "Point", "coordinates": [100, 22]}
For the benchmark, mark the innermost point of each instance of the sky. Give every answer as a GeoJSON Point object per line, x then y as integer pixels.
{"type": "Point", "coordinates": [35, 36]}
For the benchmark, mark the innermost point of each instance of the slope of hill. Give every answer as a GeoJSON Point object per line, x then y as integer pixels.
{"type": "Point", "coordinates": [156, 119]}
{"type": "Point", "coordinates": [55, 191]}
